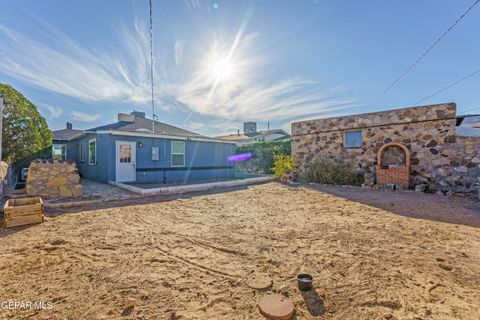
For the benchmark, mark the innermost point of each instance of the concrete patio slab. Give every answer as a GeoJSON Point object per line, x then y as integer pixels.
{"type": "Point", "coordinates": [93, 193]}
{"type": "Point", "coordinates": [192, 187]}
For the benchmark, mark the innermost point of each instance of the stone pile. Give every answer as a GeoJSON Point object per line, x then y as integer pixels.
{"type": "Point", "coordinates": [53, 178]}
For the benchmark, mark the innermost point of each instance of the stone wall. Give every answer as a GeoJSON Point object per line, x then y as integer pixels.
{"type": "Point", "coordinates": [428, 132]}
{"type": "Point", "coordinates": [53, 178]}
{"type": "Point", "coordinates": [462, 173]}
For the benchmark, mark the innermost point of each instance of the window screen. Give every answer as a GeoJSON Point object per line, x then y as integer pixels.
{"type": "Point", "coordinates": [155, 153]}
{"type": "Point", "coordinates": [92, 151]}
{"type": "Point", "coordinates": [178, 153]}
{"type": "Point", "coordinates": [352, 139]}
{"type": "Point", "coordinates": [59, 151]}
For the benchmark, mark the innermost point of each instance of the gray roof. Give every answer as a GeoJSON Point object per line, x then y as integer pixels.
{"type": "Point", "coordinates": [143, 124]}
{"type": "Point", "coordinates": [136, 125]}
{"type": "Point", "coordinates": [66, 134]}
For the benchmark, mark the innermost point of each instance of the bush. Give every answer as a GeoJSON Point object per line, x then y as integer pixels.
{"type": "Point", "coordinates": [285, 167]}
{"type": "Point", "coordinates": [262, 152]}
{"type": "Point", "coordinates": [328, 172]}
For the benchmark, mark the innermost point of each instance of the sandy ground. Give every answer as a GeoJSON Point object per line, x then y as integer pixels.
{"type": "Point", "coordinates": [188, 258]}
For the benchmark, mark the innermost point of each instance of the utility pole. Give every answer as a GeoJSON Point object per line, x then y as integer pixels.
{"type": "Point", "coordinates": [151, 68]}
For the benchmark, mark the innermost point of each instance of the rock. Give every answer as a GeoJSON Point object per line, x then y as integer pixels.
{"type": "Point", "coordinates": [57, 181]}
{"type": "Point", "coordinates": [420, 188]}
{"type": "Point", "coordinates": [450, 139]}
{"type": "Point", "coordinates": [427, 137]}
{"type": "Point", "coordinates": [65, 192]}
{"type": "Point", "coordinates": [461, 169]}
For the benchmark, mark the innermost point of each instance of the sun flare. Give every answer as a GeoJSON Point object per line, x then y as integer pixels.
{"type": "Point", "coordinates": [223, 69]}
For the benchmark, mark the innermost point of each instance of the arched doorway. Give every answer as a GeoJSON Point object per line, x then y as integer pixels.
{"type": "Point", "coordinates": [393, 164]}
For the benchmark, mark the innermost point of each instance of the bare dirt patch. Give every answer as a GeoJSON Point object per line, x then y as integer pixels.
{"type": "Point", "coordinates": [190, 258]}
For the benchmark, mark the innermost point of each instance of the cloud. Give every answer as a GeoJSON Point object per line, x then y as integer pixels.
{"type": "Point", "coordinates": [185, 80]}
{"type": "Point", "coordinates": [192, 4]}
{"type": "Point", "coordinates": [69, 69]}
{"type": "Point", "coordinates": [178, 52]}
{"type": "Point", "coordinates": [53, 111]}
{"type": "Point", "coordinates": [84, 117]}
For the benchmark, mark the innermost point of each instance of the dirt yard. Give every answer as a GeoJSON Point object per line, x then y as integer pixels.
{"type": "Point", "coordinates": [188, 258]}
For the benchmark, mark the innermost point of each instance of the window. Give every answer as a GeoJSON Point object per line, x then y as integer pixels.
{"type": "Point", "coordinates": [125, 153]}
{"type": "Point", "coordinates": [59, 151]}
{"type": "Point", "coordinates": [92, 151]}
{"type": "Point", "coordinates": [178, 153]}
{"type": "Point", "coordinates": [82, 152]}
{"type": "Point", "coordinates": [352, 139]}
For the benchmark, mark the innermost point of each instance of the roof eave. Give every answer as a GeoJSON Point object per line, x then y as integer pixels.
{"type": "Point", "coordinates": [162, 136]}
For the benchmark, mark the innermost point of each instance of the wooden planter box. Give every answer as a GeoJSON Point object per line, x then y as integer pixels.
{"type": "Point", "coordinates": [19, 212]}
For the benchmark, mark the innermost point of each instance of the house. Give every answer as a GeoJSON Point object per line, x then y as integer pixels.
{"type": "Point", "coordinates": [468, 125]}
{"type": "Point", "coordinates": [251, 135]}
{"type": "Point", "coordinates": [426, 145]}
{"type": "Point", "coordinates": [138, 149]}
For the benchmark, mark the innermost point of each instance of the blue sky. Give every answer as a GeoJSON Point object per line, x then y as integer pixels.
{"type": "Point", "coordinates": [277, 61]}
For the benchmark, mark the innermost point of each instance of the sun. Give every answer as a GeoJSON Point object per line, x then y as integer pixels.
{"type": "Point", "coordinates": [223, 69]}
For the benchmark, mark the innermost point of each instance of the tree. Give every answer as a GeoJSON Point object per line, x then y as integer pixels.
{"type": "Point", "coordinates": [25, 131]}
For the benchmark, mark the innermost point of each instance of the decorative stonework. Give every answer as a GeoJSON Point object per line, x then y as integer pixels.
{"type": "Point", "coordinates": [438, 158]}
{"type": "Point", "coordinates": [397, 170]}
{"type": "Point", "coordinates": [53, 178]}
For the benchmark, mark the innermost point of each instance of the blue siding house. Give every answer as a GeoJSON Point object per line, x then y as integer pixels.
{"type": "Point", "coordinates": [137, 149]}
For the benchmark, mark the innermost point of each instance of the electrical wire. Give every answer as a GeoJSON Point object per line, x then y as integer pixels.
{"type": "Point", "coordinates": [423, 55]}
{"type": "Point", "coordinates": [449, 86]}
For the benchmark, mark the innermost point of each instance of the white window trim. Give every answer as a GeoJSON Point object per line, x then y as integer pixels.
{"type": "Point", "coordinates": [90, 141]}
{"type": "Point", "coordinates": [361, 138]}
{"type": "Point", "coordinates": [82, 152]}
{"type": "Point", "coordinates": [60, 144]}
{"type": "Point", "coordinates": [171, 156]}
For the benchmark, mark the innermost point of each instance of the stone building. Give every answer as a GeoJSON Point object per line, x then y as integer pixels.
{"type": "Point", "coordinates": [409, 146]}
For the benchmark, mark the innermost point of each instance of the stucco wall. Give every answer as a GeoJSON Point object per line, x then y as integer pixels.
{"type": "Point", "coordinates": [428, 132]}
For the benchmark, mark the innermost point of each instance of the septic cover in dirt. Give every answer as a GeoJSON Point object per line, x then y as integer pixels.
{"type": "Point", "coordinates": [275, 306]}
{"type": "Point", "coordinates": [259, 281]}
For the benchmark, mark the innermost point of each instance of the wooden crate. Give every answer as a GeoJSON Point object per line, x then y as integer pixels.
{"type": "Point", "coordinates": [22, 211]}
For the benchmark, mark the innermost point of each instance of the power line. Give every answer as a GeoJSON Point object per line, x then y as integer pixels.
{"type": "Point", "coordinates": [449, 86]}
{"type": "Point", "coordinates": [424, 54]}
{"type": "Point", "coordinates": [151, 67]}
{"type": "Point", "coordinates": [472, 109]}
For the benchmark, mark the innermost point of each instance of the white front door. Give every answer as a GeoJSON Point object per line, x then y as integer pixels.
{"type": "Point", "coordinates": [126, 161]}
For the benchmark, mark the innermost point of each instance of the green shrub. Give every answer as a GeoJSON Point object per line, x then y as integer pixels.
{"type": "Point", "coordinates": [285, 166]}
{"type": "Point", "coordinates": [327, 172]}
{"type": "Point", "coordinates": [262, 152]}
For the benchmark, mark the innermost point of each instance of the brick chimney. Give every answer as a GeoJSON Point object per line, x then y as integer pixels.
{"type": "Point", "coordinates": [249, 128]}
{"type": "Point", "coordinates": [138, 114]}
